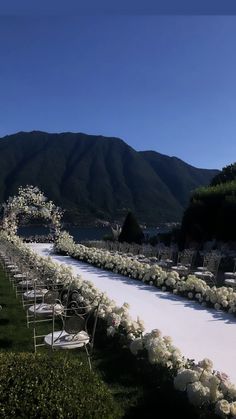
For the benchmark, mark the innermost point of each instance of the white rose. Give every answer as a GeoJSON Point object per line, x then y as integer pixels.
{"type": "Point", "coordinates": [222, 408]}
{"type": "Point", "coordinates": [233, 408]}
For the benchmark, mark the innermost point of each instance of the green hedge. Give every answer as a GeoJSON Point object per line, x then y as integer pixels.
{"type": "Point", "coordinates": [51, 386]}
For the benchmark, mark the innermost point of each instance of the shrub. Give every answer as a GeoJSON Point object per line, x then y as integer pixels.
{"type": "Point", "coordinates": [43, 386]}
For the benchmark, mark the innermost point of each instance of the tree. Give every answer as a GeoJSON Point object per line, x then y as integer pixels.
{"type": "Point", "coordinates": [131, 231]}
{"type": "Point", "coordinates": [227, 174]}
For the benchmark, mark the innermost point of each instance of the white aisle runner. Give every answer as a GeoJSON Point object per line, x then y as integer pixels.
{"type": "Point", "coordinates": [196, 331]}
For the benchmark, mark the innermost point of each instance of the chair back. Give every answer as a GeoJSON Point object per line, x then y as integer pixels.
{"type": "Point", "coordinates": [165, 253]}
{"type": "Point", "coordinates": [212, 262]}
{"type": "Point", "coordinates": [185, 257]}
{"type": "Point", "coordinates": [74, 324]}
{"type": "Point", "coordinates": [77, 316]}
{"type": "Point", "coordinates": [51, 297]}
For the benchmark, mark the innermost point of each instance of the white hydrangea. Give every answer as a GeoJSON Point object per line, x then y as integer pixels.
{"type": "Point", "coordinates": [136, 346]}
{"type": "Point", "coordinates": [185, 377]}
{"type": "Point", "coordinates": [198, 394]}
{"type": "Point", "coordinates": [206, 364]}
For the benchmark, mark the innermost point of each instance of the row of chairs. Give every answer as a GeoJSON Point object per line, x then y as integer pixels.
{"type": "Point", "coordinates": [186, 262]}
{"type": "Point", "coordinates": [115, 246]}
{"type": "Point", "coordinates": [71, 321]}
{"type": "Point", "coordinates": [183, 262]}
{"type": "Point", "coordinates": [169, 258]}
{"type": "Point", "coordinates": [230, 277]}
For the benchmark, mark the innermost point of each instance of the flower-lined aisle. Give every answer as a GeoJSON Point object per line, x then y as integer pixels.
{"type": "Point", "coordinates": [191, 287]}
{"type": "Point", "coordinates": [205, 388]}
{"type": "Point", "coordinates": [197, 331]}
{"type": "Point", "coordinates": [202, 385]}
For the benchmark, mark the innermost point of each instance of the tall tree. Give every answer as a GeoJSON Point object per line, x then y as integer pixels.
{"type": "Point", "coordinates": [131, 231]}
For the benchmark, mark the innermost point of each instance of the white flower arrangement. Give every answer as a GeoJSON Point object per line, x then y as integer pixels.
{"type": "Point", "coordinates": [30, 202]}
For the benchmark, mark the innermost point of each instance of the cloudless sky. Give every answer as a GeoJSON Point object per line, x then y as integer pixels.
{"type": "Point", "coordinates": [166, 83]}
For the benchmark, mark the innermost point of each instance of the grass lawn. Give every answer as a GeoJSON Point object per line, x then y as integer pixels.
{"type": "Point", "coordinates": [138, 387]}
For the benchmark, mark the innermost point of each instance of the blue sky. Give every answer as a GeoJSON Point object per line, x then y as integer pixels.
{"type": "Point", "coordinates": [165, 83]}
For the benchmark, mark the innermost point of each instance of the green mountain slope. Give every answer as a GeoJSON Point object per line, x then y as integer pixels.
{"type": "Point", "coordinates": [180, 177]}
{"type": "Point", "coordinates": [98, 177]}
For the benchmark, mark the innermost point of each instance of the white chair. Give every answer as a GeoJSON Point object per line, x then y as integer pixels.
{"type": "Point", "coordinates": [165, 257]}
{"type": "Point", "coordinates": [43, 310]}
{"type": "Point", "coordinates": [75, 332]}
{"type": "Point", "coordinates": [231, 274]}
{"type": "Point", "coordinates": [184, 262]}
{"type": "Point", "coordinates": [208, 272]}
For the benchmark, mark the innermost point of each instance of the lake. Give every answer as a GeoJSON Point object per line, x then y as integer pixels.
{"type": "Point", "coordinates": [79, 233]}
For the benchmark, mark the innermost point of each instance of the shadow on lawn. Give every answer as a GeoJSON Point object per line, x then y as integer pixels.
{"type": "Point", "coordinates": [6, 343]}
{"type": "Point", "coordinates": [143, 389]}
{"type": "Point", "coordinates": [3, 322]}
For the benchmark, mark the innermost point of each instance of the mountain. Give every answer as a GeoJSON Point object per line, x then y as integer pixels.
{"type": "Point", "coordinates": [95, 177]}
{"type": "Point", "coordinates": [180, 177]}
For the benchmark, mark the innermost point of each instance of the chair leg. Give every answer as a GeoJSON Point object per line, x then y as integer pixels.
{"type": "Point", "coordinates": [35, 347]}
{"type": "Point", "coordinates": [88, 356]}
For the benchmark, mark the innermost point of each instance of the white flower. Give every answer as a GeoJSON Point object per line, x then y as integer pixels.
{"type": "Point", "coordinates": [198, 394]}
{"type": "Point", "coordinates": [167, 340]}
{"type": "Point", "coordinates": [111, 331]}
{"type": "Point", "coordinates": [185, 377]}
{"type": "Point", "coordinates": [233, 408]}
{"type": "Point", "coordinates": [222, 408]}
{"type": "Point", "coordinates": [232, 392]}
{"type": "Point", "coordinates": [156, 333]}
{"type": "Point", "coordinates": [206, 364]}
{"type": "Point", "coordinates": [222, 376]}
{"type": "Point", "coordinates": [136, 345]}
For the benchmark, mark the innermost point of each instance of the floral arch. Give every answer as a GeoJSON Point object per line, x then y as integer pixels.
{"type": "Point", "coordinates": [30, 202]}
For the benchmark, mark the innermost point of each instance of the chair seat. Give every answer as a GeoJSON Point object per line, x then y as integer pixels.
{"type": "Point", "coordinates": [165, 262]}
{"type": "Point", "coordinates": [153, 259]}
{"type": "Point", "coordinates": [203, 274]}
{"type": "Point", "coordinates": [230, 274]}
{"type": "Point", "coordinates": [179, 268]}
{"type": "Point", "coordinates": [26, 284]}
{"type": "Point", "coordinates": [10, 266]}
{"type": "Point", "coordinates": [231, 282]}
{"type": "Point", "coordinates": [45, 309]}
{"type": "Point", "coordinates": [30, 295]}
{"type": "Point", "coordinates": [64, 340]}
{"type": "Point", "coordinates": [19, 276]}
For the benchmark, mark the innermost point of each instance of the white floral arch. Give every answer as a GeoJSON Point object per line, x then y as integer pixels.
{"type": "Point", "coordinates": [30, 202]}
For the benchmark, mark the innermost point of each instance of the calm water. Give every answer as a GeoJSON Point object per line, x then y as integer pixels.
{"type": "Point", "coordinates": [79, 233]}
